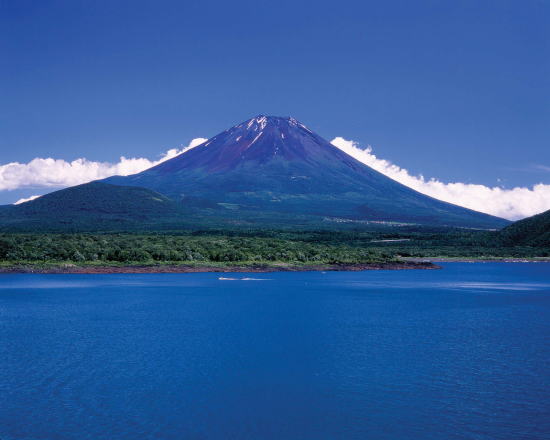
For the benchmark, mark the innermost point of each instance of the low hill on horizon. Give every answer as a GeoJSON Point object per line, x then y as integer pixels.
{"type": "Point", "coordinates": [530, 231]}
{"type": "Point", "coordinates": [92, 206]}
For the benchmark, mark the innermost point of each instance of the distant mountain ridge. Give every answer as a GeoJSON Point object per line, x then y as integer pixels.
{"type": "Point", "coordinates": [265, 172]}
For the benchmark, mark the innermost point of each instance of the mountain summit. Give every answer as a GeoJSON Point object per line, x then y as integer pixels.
{"type": "Point", "coordinates": [265, 172]}
{"type": "Point", "coordinates": [261, 139]}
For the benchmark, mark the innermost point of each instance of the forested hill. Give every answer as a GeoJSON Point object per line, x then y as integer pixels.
{"type": "Point", "coordinates": [92, 206]}
{"type": "Point", "coordinates": [531, 231]}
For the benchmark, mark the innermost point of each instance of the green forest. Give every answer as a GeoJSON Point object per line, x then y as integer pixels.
{"type": "Point", "coordinates": [260, 247]}
{"type": "Point", "coordinates": [165, 248]}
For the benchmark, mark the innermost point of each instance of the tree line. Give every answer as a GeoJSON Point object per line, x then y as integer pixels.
{"type": "Point", "coordinates": [144, 248]}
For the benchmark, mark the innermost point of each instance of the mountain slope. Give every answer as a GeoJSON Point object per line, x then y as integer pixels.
{"type": "Point", "coordinates": [531, 231]}
{"type": "Point", "coordinates": [276, 167]}
{"type": "Point", "coordinates": [92, 206]}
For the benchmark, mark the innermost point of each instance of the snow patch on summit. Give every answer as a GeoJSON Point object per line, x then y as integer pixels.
{"type": "Point", "coordinates": [262, 121]}
{"type": "Point", "coordinates": [259, 122]}
{"type": "Point", "coordinates": [256, 138]}
{"type": "Point", "coordinates": [295, 123]}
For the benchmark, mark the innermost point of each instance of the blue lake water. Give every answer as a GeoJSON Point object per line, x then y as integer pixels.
{"type": "Point", "coordinates": [459, 353]}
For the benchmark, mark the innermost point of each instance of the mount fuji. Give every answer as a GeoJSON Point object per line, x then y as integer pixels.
{"type": "Point", "coordinates": [266, 171]}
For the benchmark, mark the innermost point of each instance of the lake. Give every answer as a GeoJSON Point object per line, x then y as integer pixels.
{"type": "Point", "coordinates": [458, 353]}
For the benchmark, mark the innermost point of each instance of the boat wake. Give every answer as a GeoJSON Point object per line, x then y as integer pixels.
{"type": "Point", "coordinates": [243, 279]}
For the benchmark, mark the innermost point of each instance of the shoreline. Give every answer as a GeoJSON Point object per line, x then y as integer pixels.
{"type": "Point", "coordinates": [183, 268]}
{"type": "Point", "coordinates": [476, 260]}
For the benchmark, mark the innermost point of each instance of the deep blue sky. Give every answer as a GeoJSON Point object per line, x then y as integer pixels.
{"type": "Point", "coordinates": [458, 90]}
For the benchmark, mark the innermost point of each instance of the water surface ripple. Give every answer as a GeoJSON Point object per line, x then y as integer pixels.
{"type": "Point", "coordinates": [460, 353]}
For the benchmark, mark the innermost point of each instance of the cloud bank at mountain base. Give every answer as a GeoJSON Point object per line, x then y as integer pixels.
{"type": "Point", "coordinates": [512, 204]}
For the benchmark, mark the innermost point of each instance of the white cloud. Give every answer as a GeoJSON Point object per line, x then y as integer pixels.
{"type": "Point", "coordinates": [48, 172]}
{"type": "Point", "coordinates": [513, 204]}
{"type": "Point", "coordinates": [28, 199]}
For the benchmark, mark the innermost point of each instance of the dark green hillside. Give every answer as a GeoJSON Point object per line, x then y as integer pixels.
{"type": "Point", "coordinates": [104, 207]}
{"type": "Point", "coordinates": [531, 231]}
{"type": "Point", "coordinates": [92, 206]}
